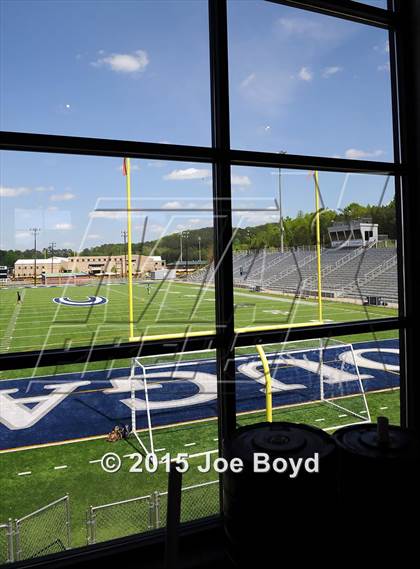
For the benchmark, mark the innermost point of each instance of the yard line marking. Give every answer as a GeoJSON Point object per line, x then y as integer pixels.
{"type": "Point", "coordinates": [383, 408]}
{"type": "Point", "coordinates": [24, 473]}
{"type": "Point", "coordinates": [319, 419]}
{"type": "Point", "coordinates": [8, 333]}
{"type": "Point", "coordinates": [364, 412]}
{"type": "Point", "coordinates": [343, 415]}
{"type": "Point", "coordinates": [189, 444]}
{"type": "Point", "coordinates": [159, 449]}
{"type": "Point", "coordinates": [216, 439]}
{"type": "Point", "coordinates": [196, 455]}
{"type": "Point", "coordinates": [94, 461]}
{"type": "Point", "coordinates": [60, 467]}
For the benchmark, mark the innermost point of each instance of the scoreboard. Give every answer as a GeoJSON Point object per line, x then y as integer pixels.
{"type": "Point", "coordinates": [4, 273]}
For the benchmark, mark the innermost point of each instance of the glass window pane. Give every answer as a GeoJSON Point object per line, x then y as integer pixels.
{"type": "Point", "coordinates": [59, 424]}
{"type": "Point", "coordinates": [75, 208]}
{"type": "Point", "coordinates": [282, 278]}
{"type": "Point", "coordinates": [309, 84]}
{"type": "Point", "coordinates": [108, 69]}
{"type": "Point", "coordinates": [324, 382]}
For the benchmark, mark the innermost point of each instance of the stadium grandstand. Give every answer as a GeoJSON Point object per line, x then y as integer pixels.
{"type": "Point", "coordinates": [352, 269]}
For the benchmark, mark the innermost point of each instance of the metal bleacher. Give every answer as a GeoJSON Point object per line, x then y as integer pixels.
{"type": "Point", "coordinates": [346, 273]}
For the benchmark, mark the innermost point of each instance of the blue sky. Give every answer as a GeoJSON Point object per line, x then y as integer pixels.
{"type": "Point", "coordinates": [299, 82]}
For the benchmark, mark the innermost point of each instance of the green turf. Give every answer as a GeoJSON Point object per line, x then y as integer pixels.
{"type": "Point", "coordinates": [88, 485]}
{"type": "Point", "coordinates": [171, 308]}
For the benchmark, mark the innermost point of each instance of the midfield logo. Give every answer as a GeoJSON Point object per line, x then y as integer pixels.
{"type": "Point", "coordinates": [91, 301]}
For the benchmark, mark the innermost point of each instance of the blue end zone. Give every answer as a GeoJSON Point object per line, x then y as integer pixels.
{"type": "Point", "coordinates": [33, 411]}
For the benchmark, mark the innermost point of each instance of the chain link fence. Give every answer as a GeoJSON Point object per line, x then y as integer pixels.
{"type": "Point", "coordinates": [6, 542]}
{"type": "Point", "coordinates": [128, 517]}
{"type": "Point", "coordinates": [44, 531]}
{"type": "Point", "coordinates": [119, 519]}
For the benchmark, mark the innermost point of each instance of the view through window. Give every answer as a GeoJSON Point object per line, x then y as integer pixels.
{"type": "Point", "coordinates": [116, 268]}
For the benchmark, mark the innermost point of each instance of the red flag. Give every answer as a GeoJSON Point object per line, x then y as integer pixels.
{"type": "Point", "coordinates": [124, 168]}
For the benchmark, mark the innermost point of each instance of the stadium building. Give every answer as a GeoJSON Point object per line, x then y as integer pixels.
{"type": "Point", "coordinates": [94, 265]}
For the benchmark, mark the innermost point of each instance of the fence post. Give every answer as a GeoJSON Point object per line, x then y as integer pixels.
{"type": "Point", "coordinates": [91, 537]}
{"type": "Point", "coordinates": [157, 508]}
{"type": "Point", "coordinates": [17, 541]}
{"type": "Point", "coordinates": [10, 553]}
{"type": "Point", "coordinates": [68, 521]}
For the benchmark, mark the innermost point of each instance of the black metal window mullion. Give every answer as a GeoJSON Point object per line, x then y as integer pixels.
{"type": "Point", "coordinates": [405, 65]}
{"type": "Point", "coordinates": [222, 219]}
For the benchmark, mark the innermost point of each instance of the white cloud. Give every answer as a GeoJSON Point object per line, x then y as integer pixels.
{"type": "Point", "coordinates": [63, 226]}
{"type": "Point", "coordinates": [133, 167]}
{"type": "Point", "coordinates": [66, 196]}
{"type": "Point", "coordinates": [328, 71]}
{"type": "Point", "coordinates": [107, 214]}
{"type": "Point", "coordinates": [355, 154]}
{"type": "Point", "coordinates": [124, 62]}
{"type": "Point", "coordinates": [22, 234]}
{"type": "Point", "coordinates": [44, 189]}
{"type": "Point", "coordinates": [247, 80]}
{"type": "Point", "coordinates": [309, 29]}
{"type": "Point", "coordinates": [8, 192]}
{"type": "Point", "coordinates": [172, 205]}
{"type": "Point", "coordinates": [305, 74]}
{"type": "Point", "coordinates": [240, 180]}
{"type": "Point", "coordinates": [384, 48]}
{"type": "Point", "coordinates": [188, 174]}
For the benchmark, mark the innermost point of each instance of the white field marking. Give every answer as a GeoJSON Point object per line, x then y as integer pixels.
{"type": "Point", "coordinates": [216, 439]}
{"type": "Point", "coordinates": [196, 455]}
{"type": "Point", "coordinates": [189, 444]}
{"type": "Point", "coordinates": [159, 366]}
{"type": "Point", "coordinates": [159, 449]}
{"type": "Point", "coordinates": [319, 420]}
{"type": "Point", "coordinates": [94, 461]}
{"type": "Point", "coordinates": [60, 467]}
{"type": "Point", "coordinates": [343, 415]}
{"type": "Point", "coordinates": [24, 473]}
{"type": "Point", "coordinates": [325, 320]}
{"type": "Point", "coordinates": [383, 408]}
{"type": "Point", "coordinates": [8, 333]}
{"type": "Point", "coordinates": [364, 411]}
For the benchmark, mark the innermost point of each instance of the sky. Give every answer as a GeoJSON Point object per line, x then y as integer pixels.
{"type": "Point", "coordinates": [299, 82]}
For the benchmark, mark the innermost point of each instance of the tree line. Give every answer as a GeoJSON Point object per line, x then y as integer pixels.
{"type": "Point", "coordinates": [297, 231]}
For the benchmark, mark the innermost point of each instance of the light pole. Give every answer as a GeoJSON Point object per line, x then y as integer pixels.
{"type": "Point", "coordinates": [35, 231]}
{"type": "Point", "coordinates": [52, 245]}
{"type": "Point", "coordinates": [199, 249]}
{"type": "Point", "coordinates": [281, 209]}
{"type": "Point", "coordinates": [124, 236]}
{"type": "Point", "coordinates": [186, 235]}
{"type": "Point", "coordinates": [180, 247]}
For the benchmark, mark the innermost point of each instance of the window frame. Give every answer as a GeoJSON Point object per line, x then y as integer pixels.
{"type": "Point", "coordinates": [400, 20]}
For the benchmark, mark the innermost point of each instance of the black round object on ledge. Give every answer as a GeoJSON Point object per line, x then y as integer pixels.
{"type": "Point", "coordinates": [263, 508]}
{"type": "Point", "coordinates": [378, 467]}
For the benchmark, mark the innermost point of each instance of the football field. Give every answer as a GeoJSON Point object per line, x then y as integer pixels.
{"type": "Point", "coordinates": [53, 420]}
{"type": "Point", "coordinates": [58, 317]}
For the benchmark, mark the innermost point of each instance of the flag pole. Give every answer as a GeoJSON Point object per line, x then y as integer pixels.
{"type": "Point", "coordinates": [127, 172]}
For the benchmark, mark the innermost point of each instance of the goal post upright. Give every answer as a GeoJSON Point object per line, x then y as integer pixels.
{"type": "Point", "coordinates": [268, 390]}
{"type": "Point", "coordinates": [127, 173]}
{"type": "Point", "coordinates": [318, 245]}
